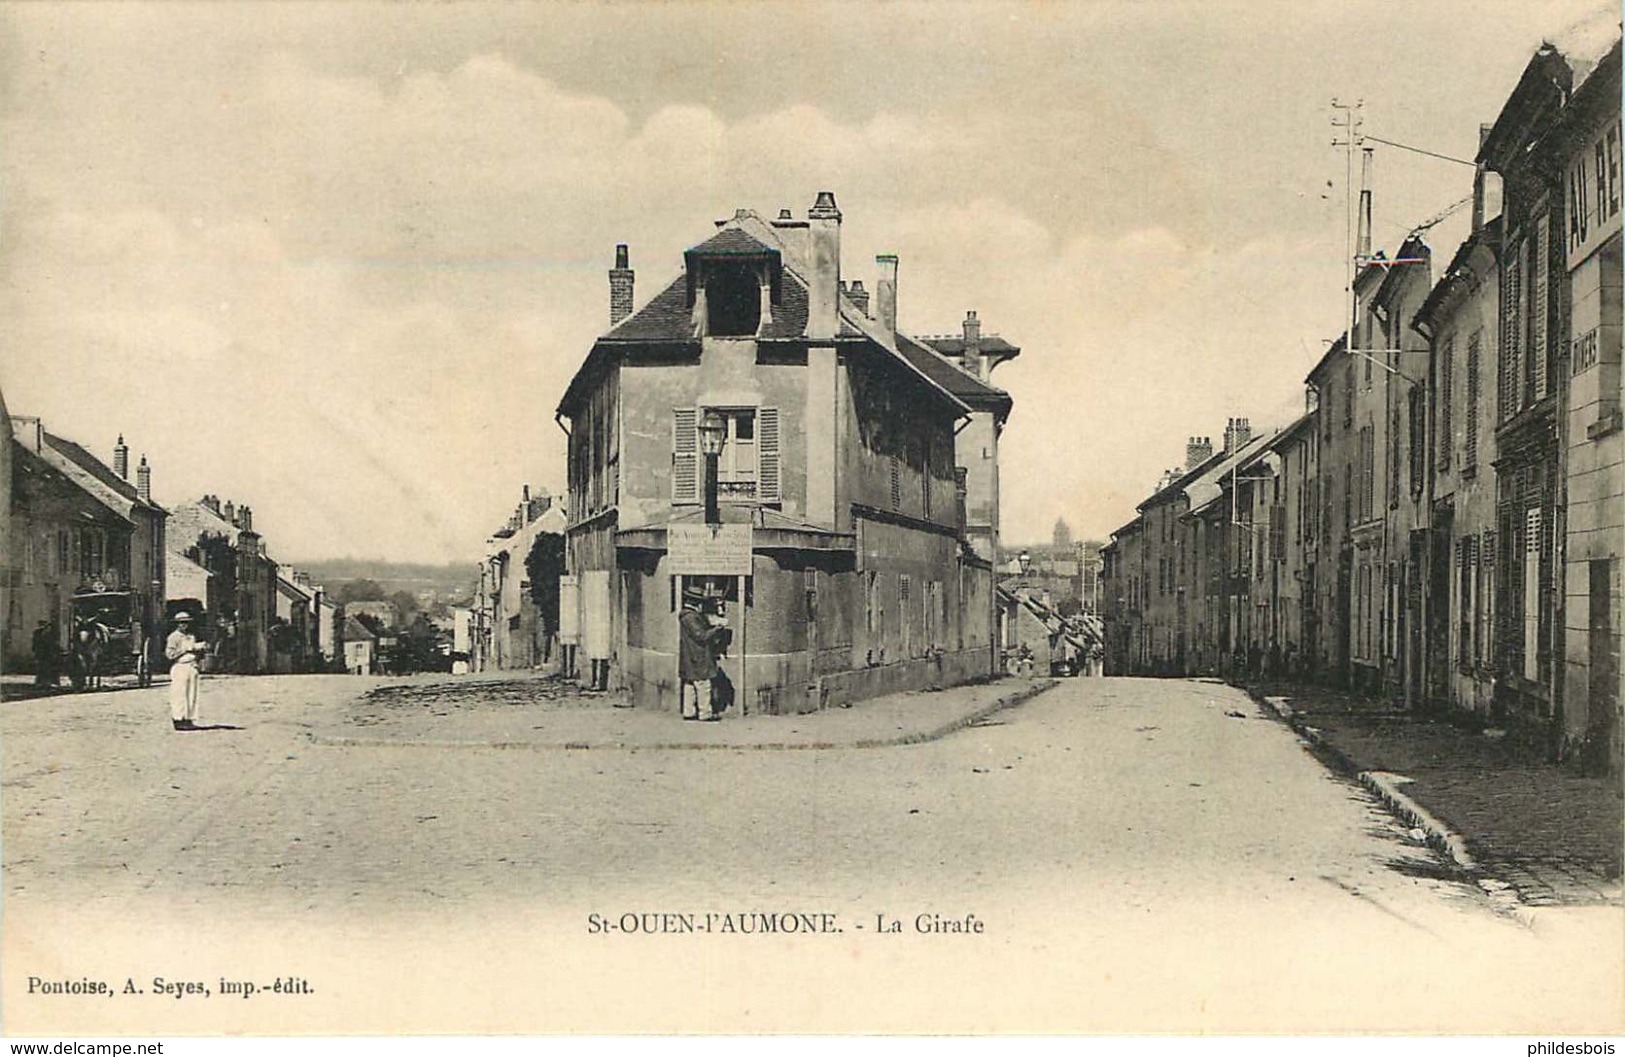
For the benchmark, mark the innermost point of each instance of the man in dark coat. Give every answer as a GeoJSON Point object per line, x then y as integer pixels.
{"type": "Point", "coordinates": [45, 656]}
{"type": "Point", "coordinates": [696, 657]}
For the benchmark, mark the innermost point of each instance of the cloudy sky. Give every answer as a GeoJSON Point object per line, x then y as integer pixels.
{"type": "Point", "coordinates": [339, 261]}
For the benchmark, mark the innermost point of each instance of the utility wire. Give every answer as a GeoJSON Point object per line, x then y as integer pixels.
{"type": "Point", "coordinates": [1419, 150]}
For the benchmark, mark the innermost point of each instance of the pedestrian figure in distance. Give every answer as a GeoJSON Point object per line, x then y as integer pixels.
{"type": "Point", "coordinates": [696, 657]}
{"type": "Point", "coordinates": [185, 652]}
{"type": "Point", "coordinates": [44, 644]}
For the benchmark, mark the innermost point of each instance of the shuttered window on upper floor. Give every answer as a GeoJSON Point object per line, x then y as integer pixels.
{"type": "Point", "coordinates": [748, 469]}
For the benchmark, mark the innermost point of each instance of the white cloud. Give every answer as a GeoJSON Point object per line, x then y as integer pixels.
{"type": "Point", "coordinates": [344, 276]}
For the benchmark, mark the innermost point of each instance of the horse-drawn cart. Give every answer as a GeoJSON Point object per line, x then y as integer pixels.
{"type": "Point", "coordinates": [109, 638]}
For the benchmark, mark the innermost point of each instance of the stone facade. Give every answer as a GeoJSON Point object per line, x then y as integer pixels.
{"type": "Point", "coordinates": [838, 451]}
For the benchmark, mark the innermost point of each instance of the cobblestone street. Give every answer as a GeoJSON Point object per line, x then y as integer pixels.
{"type": "Point", "coordinates": [1160, 847]}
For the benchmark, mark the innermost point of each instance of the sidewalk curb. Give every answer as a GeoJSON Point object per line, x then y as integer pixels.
{"type": "Point", "coordinates": [916, 737]}
{"type": "Point", "coordinates": [1381, 784]}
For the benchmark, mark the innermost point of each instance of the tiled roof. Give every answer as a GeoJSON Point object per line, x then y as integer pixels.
{"type": "Point", "coordinates": [732, 241]}
{"type": "Point", "coordinates": [954, 346]}
{"type": "Point", "coordinates": [94, 466]}
{"type": "Point", "coordinates": [666, 317]}
{"type": "Point", "coordinates": [34, 476]}
{"type": "Point", "coordinates": [973, 391]}
{"type": "Point", "coordinates": [1176, 486]}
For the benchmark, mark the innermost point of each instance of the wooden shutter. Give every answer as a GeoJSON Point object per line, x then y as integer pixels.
{"type": "Point", "coordinates": [767, 455]}
{"type": "Point", "coordinates": [685, 456]}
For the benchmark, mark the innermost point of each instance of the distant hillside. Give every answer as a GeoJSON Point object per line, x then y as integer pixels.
{"type": "Point", "coordinates": [453, 580]}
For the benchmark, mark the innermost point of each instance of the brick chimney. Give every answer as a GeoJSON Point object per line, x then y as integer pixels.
{"type": "Point", "coordinates": [230, 512]}
{"type": "Point", "coordinates": [1197, 451]}
{"type": "Point", "coordinates": [824, 267]}
{"type": "Point", "coordinates": [886, 293]}
{"type": "Point", "coordinates": [971, 355]}
{"type": "Point", "coordinates": [121, 459]}
{"type": "Point", "coordinates": [620, 287]}
{"type": "Point", "coordinates": [143, 480]}
{"type": "Point", "coordinates": [247, 525]}
{"type": "Point", "coordinates": [1237, 432]}
{"type": "Point", "coordinates": [211, 503]}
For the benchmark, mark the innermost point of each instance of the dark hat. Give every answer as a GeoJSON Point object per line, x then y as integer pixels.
{"type": "Point", "coordinates": [693, 594]}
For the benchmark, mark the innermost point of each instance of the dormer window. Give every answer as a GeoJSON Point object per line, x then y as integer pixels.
{"type": "Point", "coordinates": [733, 300]}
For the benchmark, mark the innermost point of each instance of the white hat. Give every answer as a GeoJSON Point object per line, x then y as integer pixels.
{"type": "Point", "coordinates": [183, 615]}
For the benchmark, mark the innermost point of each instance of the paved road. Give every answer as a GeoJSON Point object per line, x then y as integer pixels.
{"type": "Point", "coordinates": [1144, 855]}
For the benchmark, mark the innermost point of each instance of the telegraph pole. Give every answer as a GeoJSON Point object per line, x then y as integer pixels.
{"type": "Point", "coordinates": [1349, 120]}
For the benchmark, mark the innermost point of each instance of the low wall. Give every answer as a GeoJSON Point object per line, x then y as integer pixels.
{"type": "Point", "coordinates": [779, 684]}
{"type": "Point", "coordinates": [925, 673]}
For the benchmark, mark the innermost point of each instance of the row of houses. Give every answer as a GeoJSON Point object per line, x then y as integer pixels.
{"type": "Point", "coordinates": [1443, 524]}
{"type": "Point", "coordinates": [761, 431]}
{"type": "Point", "coordinates": [85, 542]}
{"type": "Point", "coordinates": [508, 624]}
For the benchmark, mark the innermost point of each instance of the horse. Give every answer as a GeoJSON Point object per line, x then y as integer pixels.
{"type": "Point", "coordinates": [91, 639]}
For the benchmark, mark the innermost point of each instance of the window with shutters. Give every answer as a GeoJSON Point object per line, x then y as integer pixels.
{"type": "Point", "coordinates": [1348, 395]}
{"type": "Point", "coordinates": [1533, 533]}
{"type": "Point", "coordinates": [1469, 455]}
{"type": "Point", "coordinates": [1466, 577]}
{"type": "Point", "coordinates": [905, 587]}
{"type": "Point", "coordinates": [1394, 450]}
{"type": "Point", "coordinates": [1368, 473]}
{"type": "Point", "coordinates": [1348, 495]}
{"type": "Point", "coordinates": [1417, 433]}
{"type": "Point", "coordinates": [1511, 372]}
{"type": "Point", "coordinates": [748, 467]}
{"type": "Point", "coordinates": [768, 476]}
{"type": "Point", "coordinates": [1539, 347]}
{"type": "Point", "coordinates": [685, 456]}
{"type": "Point", "coordinates": [1446, 396]}
{"type": "Point", "coordinates": [1482, 651]}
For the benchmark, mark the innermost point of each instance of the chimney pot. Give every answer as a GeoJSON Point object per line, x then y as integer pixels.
{"type": "Point", "coordinates": [121, 459]}
{"type": "Point", "coordinates": [824, 208]}
{"type": "Point", "coordinates": [785, 214]}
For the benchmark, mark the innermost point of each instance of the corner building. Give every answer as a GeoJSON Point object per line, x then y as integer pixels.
{"type": "Point", "coordinates": [839, 455]}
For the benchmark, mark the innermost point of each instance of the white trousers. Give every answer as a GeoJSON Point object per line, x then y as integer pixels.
{"type": "Point", "coordinates": [183, 679]}
{"type": "Point", "coordinates": [697, 698]}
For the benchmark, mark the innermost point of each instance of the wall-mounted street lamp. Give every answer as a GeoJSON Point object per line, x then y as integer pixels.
{"type": "Point", "coordinates": [713, 430]}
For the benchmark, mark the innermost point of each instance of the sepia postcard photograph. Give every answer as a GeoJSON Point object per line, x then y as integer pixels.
{"type": "Point", "coordinates": [805, 518]}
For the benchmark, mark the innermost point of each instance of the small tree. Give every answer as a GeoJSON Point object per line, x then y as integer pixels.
{"type": "Point", "coordinates": [359, 591]}
{"type": "Point", "coordinates": [543, 567]}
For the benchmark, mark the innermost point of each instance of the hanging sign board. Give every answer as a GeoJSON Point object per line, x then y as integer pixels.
{"type": "Point", "coordinates": [708, 550]}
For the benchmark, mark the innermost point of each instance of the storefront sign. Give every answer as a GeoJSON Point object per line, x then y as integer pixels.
{"type": "Point", "coordinates": [708, 550]}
